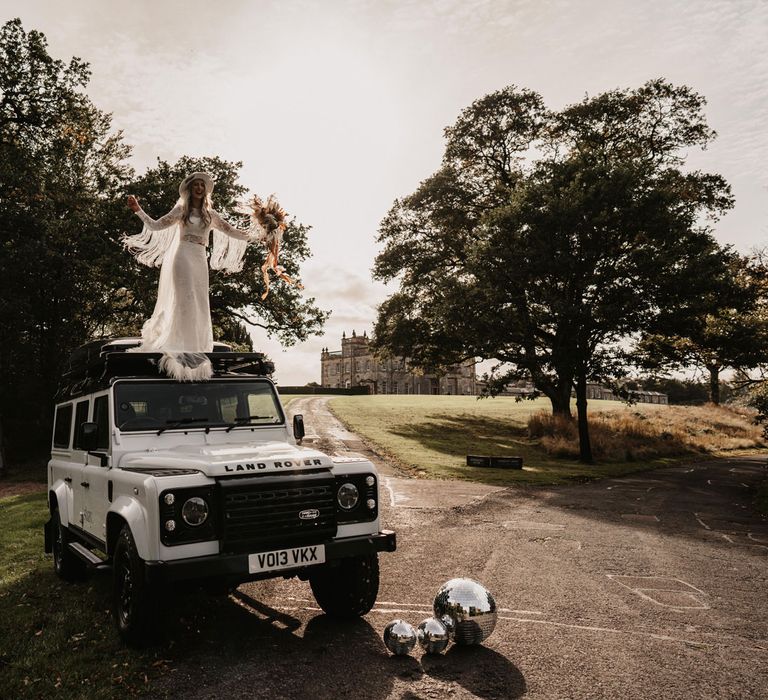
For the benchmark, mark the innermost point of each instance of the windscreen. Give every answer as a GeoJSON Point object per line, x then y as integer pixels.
{"type": "Point", "coordinates": [170, 405]}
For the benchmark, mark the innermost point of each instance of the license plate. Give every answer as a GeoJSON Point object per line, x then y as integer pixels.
{"type": "Point", "coordinates": [286, 558]}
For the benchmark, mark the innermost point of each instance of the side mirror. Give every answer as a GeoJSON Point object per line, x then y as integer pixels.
{"type": "Point", "coordinates": [89, 436]}
{"type": "Point", "coordinates": [298, 427]}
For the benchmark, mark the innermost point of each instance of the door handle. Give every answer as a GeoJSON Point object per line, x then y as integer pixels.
{"type": "Point", "coordinates": [85, 484]}
{"type": "Point", "coordinates": [68, 479]}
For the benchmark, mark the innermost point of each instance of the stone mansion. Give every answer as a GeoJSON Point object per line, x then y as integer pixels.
{"type": "Point", "coordinates": [355, 365]}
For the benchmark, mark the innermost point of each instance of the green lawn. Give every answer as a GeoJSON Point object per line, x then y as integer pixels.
{"type": "Point", "coordinates": [432, 435]}
{"type": "Point", "coordinates": [58, 639]}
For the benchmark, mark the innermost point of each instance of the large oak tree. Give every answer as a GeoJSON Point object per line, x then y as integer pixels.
{"type": "Point", "coordinates": [547, 237]}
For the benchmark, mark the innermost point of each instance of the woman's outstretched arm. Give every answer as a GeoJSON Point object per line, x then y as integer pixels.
{"type": "Point", "coordinates": [225, 227]}
{"type": "Point", "coordinates": [154, 224]}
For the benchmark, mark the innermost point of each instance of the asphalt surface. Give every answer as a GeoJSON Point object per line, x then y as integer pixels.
{"type": "Point", "coordinates": [649, 586]}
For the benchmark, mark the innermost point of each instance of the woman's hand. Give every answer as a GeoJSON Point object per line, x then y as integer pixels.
{"type": "Point", "coordinates": [133, 203]}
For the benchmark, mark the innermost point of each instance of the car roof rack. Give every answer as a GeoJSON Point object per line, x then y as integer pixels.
{"type": "Point", "coordinates": [98, 364]}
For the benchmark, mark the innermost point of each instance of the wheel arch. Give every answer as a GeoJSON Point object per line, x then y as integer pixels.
{"type": "Point", "coordinates": [126, 511]}
{"type": "Point", "coordinates": [57, 500]}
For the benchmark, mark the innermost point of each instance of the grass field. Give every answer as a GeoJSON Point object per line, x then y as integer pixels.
{"type": "Point", "coordinates": [58, 639]}
{"type": "Point", "coordinates": [431, 435]}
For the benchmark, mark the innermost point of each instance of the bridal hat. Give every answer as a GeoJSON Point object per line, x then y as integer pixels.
{"type": "Point", "coordinates": [205, 177]}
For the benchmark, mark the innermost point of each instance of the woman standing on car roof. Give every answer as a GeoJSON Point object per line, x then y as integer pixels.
{"type": "Point", "coordinates": [180, 326]}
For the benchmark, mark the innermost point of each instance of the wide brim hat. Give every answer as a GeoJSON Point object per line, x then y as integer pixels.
{"type": "Point", "coordinates": [205, 177]}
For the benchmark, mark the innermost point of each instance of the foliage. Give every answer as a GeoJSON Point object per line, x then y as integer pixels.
{"type": "Point", "coordinates": [65, 277]}
{"type": "Point", "coordinates": [729, 329]}
{"type": "Point", "coordinates": [61, 170]}
{"type": "Point", "coordinates": [547, 237]}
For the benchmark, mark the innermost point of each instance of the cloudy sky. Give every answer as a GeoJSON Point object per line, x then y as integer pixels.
{"type": "Point", "coordinates": [339, 105]}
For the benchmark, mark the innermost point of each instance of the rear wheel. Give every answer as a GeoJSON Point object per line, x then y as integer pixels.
{"type": "Point", "coordinates": [135, 603]}
{"type": "Point", "coordinates": [348, 589]}
{"type": "Point", "coordinates": [66, 564]}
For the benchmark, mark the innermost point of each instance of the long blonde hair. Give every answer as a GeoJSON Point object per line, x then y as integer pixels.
{"type": "Point", "coordinates": [186, 205]}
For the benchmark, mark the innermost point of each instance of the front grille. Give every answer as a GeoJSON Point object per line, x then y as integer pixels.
{"type": "Point", "coordinates": [262, 513]}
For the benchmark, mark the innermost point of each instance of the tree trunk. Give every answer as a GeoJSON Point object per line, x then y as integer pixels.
{"type": "Point", "coordinates": [714, 385]}
{"type": "Point", "coordinates": [560, 398]}
{"type": "Point", "coordinates": [585, 447]}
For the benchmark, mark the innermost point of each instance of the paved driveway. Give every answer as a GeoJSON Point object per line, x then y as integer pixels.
{"type": "Point", "coordinates": [650, 586]}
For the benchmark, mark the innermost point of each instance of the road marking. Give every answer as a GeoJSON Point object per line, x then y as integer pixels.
{"type": "Point", "coordinates": [531, 525]}
{"type": "Point", "coordinates": [721, 642]}
{"type": "Point", "coordinates": [667, 591]}
{"type": "Point", "coordinates": [701, 522]}
{"type": "Point", "coordinates": [424, 606]}
{"type": "Point", "coordinates": [389, 488]}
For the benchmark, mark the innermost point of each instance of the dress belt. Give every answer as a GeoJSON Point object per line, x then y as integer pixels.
{"type": "Point", "coordinates": [189, 238]}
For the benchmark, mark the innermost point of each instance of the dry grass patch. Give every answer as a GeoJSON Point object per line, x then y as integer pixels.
{"type": "Point", "coordinates": [642, 432]}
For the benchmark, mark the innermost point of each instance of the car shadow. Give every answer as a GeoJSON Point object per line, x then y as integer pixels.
{"type": "Point", "coordinates": [241, 647]}
{"type": "Point", "coordinates": [481, 671]}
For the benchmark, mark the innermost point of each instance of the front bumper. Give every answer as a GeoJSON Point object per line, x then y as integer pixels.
{"type": "Point", "coordinates": [234, 567]}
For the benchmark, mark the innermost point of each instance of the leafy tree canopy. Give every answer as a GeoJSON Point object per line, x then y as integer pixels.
{"type": "Point", "coordinates": [726, 328]}
{"type": "Point", "coordinates": [64, 277]}
{"type": "Point", "coordinates": [545, 237]}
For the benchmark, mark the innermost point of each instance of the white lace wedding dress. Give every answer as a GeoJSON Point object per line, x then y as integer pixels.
{"type": "Point", "coordinates": [180, 327]}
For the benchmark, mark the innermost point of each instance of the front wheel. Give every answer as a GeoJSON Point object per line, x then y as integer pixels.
{"type": "Point", "coordinates": [348, 589]}
{"type": "Point", "coordinates": [66, 564]}
{"type": "Point", "coordinates": [135, 603]}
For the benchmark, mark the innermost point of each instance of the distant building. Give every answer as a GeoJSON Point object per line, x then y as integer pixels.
{"type": "Point", "coordinates": [596, 391]}
{"type": "Point", "coordinates": [523, 389]}
{"type": "Point", "coordinates": [355, 365]}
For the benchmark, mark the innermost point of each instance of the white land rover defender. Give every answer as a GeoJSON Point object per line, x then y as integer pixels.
{"type": "Point", "coordinates": [166, 482]}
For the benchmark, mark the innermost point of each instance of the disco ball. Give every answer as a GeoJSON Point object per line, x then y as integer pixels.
{"type": "Point", "coordinates": [399, 637]}
{"type": "Point", "coordinates": [471, 607]}
{"type": "Point", "coordinates": [432, 636]}
{"type": "Point", "coordinates": [449, 624]}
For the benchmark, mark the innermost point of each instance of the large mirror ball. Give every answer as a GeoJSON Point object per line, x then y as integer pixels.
{"type": "Point", "coordinates": [471, 607]}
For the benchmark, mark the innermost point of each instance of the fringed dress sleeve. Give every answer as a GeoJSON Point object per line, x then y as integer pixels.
{"type": "Point", "coordinates": [229, 244]}
{"type": "Point", "coordinates": [151, 245]}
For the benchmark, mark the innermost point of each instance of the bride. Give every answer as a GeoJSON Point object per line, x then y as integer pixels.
{"type": "Point", "coordinates": [180, 327]}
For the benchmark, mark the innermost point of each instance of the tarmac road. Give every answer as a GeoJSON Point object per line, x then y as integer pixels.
{"type": "Point", "coordinates": [649, 586]}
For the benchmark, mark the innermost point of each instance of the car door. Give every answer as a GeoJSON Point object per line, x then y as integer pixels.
{"type": "Point", "coordinates": [64, 465]}
{"type": "Point", "coordinates": [79, 457]}
{"type": "Point", "coordinates": [97, 494]}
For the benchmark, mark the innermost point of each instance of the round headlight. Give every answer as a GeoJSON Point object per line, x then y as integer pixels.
{"type": "Point", "coordinates": [194, 511]}
{"type": "Point", "coordinates": [347, 496]}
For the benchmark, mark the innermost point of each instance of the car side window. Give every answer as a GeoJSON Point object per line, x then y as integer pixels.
{"type": "Point", "coordinates": [101, 418]}
{"type": "Point", "coordinates": [63, 426]}
{"type": "Point", "coordinates": [81, 416]}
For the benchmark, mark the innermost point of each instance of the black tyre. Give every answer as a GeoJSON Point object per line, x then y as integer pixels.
{"type": "Point", "coordinates": [135, 604]}
{"type": "Point", "coordinates": [66, 564]}
{"type": "Point", "coordinates": [348, 589]}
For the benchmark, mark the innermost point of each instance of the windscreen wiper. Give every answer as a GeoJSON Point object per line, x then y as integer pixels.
{"type": "Point", "coordinates": [171, 424]}
{"type": "Point", "coordinates": [244, 419]}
